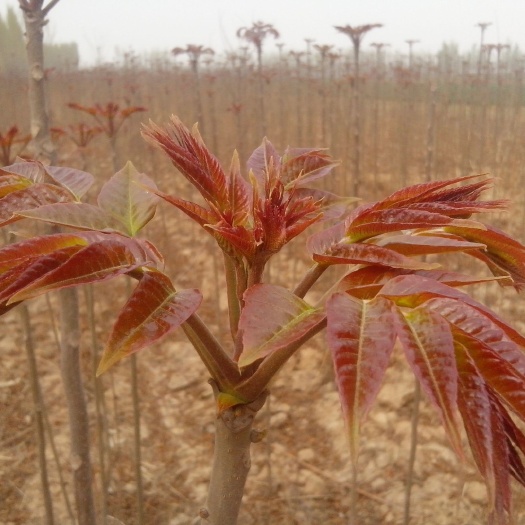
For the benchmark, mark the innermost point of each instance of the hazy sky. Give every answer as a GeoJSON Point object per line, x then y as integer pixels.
{"type": "Point", "coordinates": [101, 27]}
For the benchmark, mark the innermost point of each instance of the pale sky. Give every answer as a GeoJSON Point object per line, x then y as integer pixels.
{"type": "Point", "coordinates": [102, 27]}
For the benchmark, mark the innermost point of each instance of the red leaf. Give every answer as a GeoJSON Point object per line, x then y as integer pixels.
{"type": "Point", "coordinates": [434, 191]}
{"type": "Point", "coordinates": [429, 348]}
{"type": "Point", "coordinates": [239, 195]}
{"type": "Point", "coordinates": [300, 166]}
{"type": "Point", "coordinates": [504, 255]}
{"type": "Point", "coordinates": [501, 338]}
{"type": "Point", "coordinates": [272, 319]}
{"type": "Point", "coordinates": [485, 434]}
{"type": "Point", "coordinates": [460, 209]}
{"type": "Point", "coordinates": [189, 154]}
{"type": "Point", "coordinates": [32, 170]}
{"type": "Point", "coordinates": [260, 161]}
{"type": "Point", "coordinates": [10, 182]}
{"type": "Point", "coordinates": [28, 271]}
{"type": "Point", "coordinates": [369, 254]}
{"type": "Point", "coordinates": [31, 197]}
{"type": "Point", "coordinates": [506, 381]}
{"type": "Point", "coordinates": [94, 263]}
{"type": "Point", "coordinates": [413, 290]}
{"type": "Point", "coordinates": [361, 337]}
{"type": "Point", "coordinates": [333, 206]}
{"type": "Point", "coordinates": [76, 181]}
{"type": "Point", "coordinates": [367, 282]}
{"type": "Point", "coordinates": [239, 238]}
{"type": "Point", "coordinates": [153, 311]}
{"type": "Point", "coordinates": [76, 215]}
{"type": "Point", "coordinates": [425, 245]}
{"type": "Point", "coordinates": [194, 211]}
{"type": "Point", "coordinates": [13, 255]}
{"type": "Point", "coordinates": [377, 222]}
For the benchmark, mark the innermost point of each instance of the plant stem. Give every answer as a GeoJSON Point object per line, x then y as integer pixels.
{"type": "Point", "coordinates": [234, 308]}
{"type": "Point", "coordinates": [217, 361]}
{"type": "Point", "coordinates": [136, 427]}
{"type": "Point", "coordinates": [231, 462]}
{"type": "Point", "coordinates": [256, 383]}
{"type": "Point", "coordinates": [309, 280]}
{"type": "Point", "coordinates": [100, 412]}
{"type": "Point", "coordinates": [76, 404]}
{"type": "Point", "coordinates": [412, 455]}
{"type": "Point", "coordinates": [38, 412]}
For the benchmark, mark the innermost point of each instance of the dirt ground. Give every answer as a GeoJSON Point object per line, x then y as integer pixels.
{"type": "Point", "coordinates": [300, 471]}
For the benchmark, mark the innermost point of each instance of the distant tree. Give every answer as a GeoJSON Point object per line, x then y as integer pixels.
{"type": "Point", "coordinates": [256, 34]}
{"type": "Point", "coordinates": [483, 27]}
{"type": "Point", "coordinates": [195, 53]}
{"type": "Point", "coordinates": [356, 35]}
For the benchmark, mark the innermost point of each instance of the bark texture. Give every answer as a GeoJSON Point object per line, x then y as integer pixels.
{"type": "Point", "coordinates": [234, 436]}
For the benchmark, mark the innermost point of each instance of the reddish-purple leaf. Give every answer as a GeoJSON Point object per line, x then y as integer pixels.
{"type": "Point", "coordinates": [29, 198]}
{"type": "Point", "coordinates": [370, 254]}
{"type": "Point", "coordinates": [194, 211]}
{"type": "Point", "coordinates": [377, 222]}
{"type": "Point", "coordinates": [367, 282]}
{"type": "Point", "coordinates": [15, 254]}
{"type": "Point", "coordinates": [323, 241]}
{"type": "Point", "coordinates": [361, 337]}
{"type": "Point", "coordinates": [260, 161]}
{"type": "Point", "coordinates": [413, 290]}
{"type": "Point", "coordinates": [10, 182]}
{"type": "Point", "coordinates": [28, 271]}
{"type": "Point", "coordinates": [433, 191]}
{"type": "Point", "coordinates": [476, 411]}
{"type": "Point", "coordinates": [300, 166]}
{"type": "Point", "coordinates": [478, 325]}
{"type": "Point", "coordinates": [506, 381]}
{"type": "Point", "coordinates": [504, 255]}
{"type": "Point", "coordinates": [429, 347]}
{"type": "Point", "coordinates": [239, 195]}
{"type": "Point", "coordinates": [32, 170]}
{"type": "Point", "coordinates": [94, 263]}
{"type": "Point", "coordinates": [235, 240]}
{"type": "Point", "coordinates": [124, 198]}
{"type": "Point", "coordinates": [76, 181]}
{"type": "Point", "coordinates": [273, 318]}
{"type": "Point", "coordinates": [189, 154]}
{"type": "Point", "coordinates": [143, 251]}
{"type": "Point", "coordinates": [425, 244]}
{"type": "Point", "coordinates": [462, 209]}
{"type": "Point", "coordinates": [333, 206]}
{"type": "Point", "coordinates": [76, 215]}
{"type": "Point", "coordinates": [153, 311]}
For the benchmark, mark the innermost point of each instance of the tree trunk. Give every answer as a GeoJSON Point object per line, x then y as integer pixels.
{"type": "Point", "coordinates": [34, 19]}
{"type": "Point", "coordinates": [231, 462]}
{"type": "Point", "coordinates": [77, 409]}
